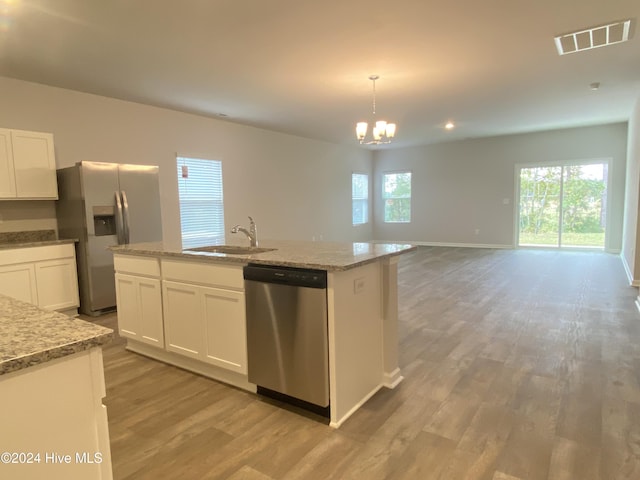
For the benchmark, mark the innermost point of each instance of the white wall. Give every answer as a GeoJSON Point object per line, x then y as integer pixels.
{"type": "Point", "coordinates": [460, 187]}
{"type": "Point", "coordinates": [295, 188]}
{"type": "Point", "coordinates": [298, 188]}
{"type": "Point", "coordinates": [630, 252]}
{"type": "Point", "coordinates": [19, 215]}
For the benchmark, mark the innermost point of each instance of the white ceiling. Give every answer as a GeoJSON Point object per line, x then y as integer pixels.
{"type": "Point", "coordinates": [302, 66]}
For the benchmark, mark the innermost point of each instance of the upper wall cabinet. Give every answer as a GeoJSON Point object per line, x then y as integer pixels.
{"type": "Point", "coordinates": [27, 165]}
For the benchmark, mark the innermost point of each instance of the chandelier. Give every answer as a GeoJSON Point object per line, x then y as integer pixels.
{"type": "Point", "coordinates": [383, 132]}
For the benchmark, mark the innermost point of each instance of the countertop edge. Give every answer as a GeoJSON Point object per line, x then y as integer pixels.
{"type": "Point", "coordinates": [30, 335]}
{"type": "Point", "coordinates": [255, 258]}
{"type": "Point", "coordinates": [41, 243]}
{"type": "Point", "coordinates": [61, 351]}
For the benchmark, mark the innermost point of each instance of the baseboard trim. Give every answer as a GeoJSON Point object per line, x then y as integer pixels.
{"type": "Point", "coordinates": [393, 379]}
{"type": "Point", "coordinates": [335, 423]}
{"type": "Point", "coordinates": [627, 271]}
{"type": "Point", "coordinates": [447, 244]}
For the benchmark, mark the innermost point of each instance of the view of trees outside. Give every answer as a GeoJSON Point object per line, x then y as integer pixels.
{"type": "Point", "coordinates": [396, 194]}
{"type": "Point", "coordinates": [575, 194]}
{"type": "Point", "coordinates": [359, 198]}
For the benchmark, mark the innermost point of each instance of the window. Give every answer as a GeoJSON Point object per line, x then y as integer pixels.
{"type": "Point", "coordinates": [201, 201]}
{"type": "Point", "coordinates": [563, 205]}
{"type": "Point", "coordinates": [396, 193]}
{"type": "Point", "coordinates": [360, 198]}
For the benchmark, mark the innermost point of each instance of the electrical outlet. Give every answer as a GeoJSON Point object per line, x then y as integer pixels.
{"type": "Point", "coordinates": [358, 285]}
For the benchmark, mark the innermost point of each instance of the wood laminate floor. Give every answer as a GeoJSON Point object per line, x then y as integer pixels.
{"type": "Point", "coordinates": [518, 364]}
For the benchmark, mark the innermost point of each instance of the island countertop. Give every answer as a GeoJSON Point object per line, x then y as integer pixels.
{"type": "Point", "coordinates": [330, 256]}
{"type": "Point", "coordinates": [30, 335]}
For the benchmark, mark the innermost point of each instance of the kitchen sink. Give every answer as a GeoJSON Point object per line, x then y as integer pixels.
{"type": "Point", "coordinates": [230, 249]}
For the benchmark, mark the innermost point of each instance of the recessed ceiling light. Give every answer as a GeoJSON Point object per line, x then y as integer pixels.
{"type": "Point", "coordinates": [594, 37]}
{"type": "Point", "coordinates": [449, 126]}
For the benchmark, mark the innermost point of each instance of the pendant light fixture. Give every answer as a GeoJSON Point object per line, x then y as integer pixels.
{"type": "Point", "coordinates": [383, 132]}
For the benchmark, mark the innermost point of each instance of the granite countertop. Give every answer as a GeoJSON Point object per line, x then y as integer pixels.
{"type": "Point", "coordinates": [330, 256]}
{"type": "Point", "coordinates": [31, 238]}
{"type": "Point", "coordinates": [30, 336]}
{"type": "Point", "coordinates": [42, 243]}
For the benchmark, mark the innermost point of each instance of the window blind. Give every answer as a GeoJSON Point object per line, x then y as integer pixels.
{"type": "Point", "coordinates": [201, 201]}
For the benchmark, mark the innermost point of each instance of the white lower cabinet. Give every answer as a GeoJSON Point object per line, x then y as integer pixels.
{"type": "Point", "coordinates": [225, 329]}
{"type": "Point", "coordinates": [183, 319]}
{"type": "Point", "coordinates": [139, 299]}
{"type": "Point", "coordinates": [52, 410]}
{"type": "Point", "coordinates": [44, 276]}
{"type": "Point", "coordinates": [57, 282]}
{"type": "Point", "coordinates": [206, 324]}
{"type": "Point", "coordinates": [19, 281]}
{"type": "Point", "coordinates": [192, 312]}
{"type": "Point", "coordinates": [139, 302]}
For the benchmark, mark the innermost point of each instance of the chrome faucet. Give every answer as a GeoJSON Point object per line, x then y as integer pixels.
{"type": "Point", "coordinates": [252, 233]}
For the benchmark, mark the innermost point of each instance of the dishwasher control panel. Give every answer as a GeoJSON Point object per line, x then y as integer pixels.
{"type": "Point", "coordinates": [300, 277]}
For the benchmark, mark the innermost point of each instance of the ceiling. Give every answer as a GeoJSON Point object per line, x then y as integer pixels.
{"type": "Point", "coordinates": [302, 66]}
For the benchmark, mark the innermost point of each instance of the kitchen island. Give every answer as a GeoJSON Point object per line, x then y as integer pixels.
{"type": "Point", "coordinates": [187, 307]}
{"type": "Point", "coordinates": [53, 422]}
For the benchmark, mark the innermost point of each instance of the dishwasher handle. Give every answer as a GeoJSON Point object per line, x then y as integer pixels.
{"type": "Point", "coordinates": [295, 277]}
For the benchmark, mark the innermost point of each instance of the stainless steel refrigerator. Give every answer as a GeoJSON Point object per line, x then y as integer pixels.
{"type": "Point", "coordinates": [104, 204]}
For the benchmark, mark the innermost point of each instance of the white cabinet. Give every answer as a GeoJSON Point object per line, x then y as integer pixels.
{"type": "Point", "coordinates": [19, 281]}
{"type": "Point", "coordinates": [140, 308]}
{"type": "Point", "coordinates": [7, 172]}
{"type": "Point", "coordinates": [56, 408]}
{"type": "Point", "coordinates": [27, 165]}
{"type": "Point", "coordinates": [192, 313]}
{"type": "Point", "coordinates": [206, 324]}
{"type": "Point", "coordinates": [183, 319]}
{"type": "Point", "coordinates": [57, 283]}
{"type": "Point", "coordinates": [45, 276]}
{"type": "Point", "coordinates": [225, 329]}
{"type": "Point", "coordinates": [139, 299]}
{"type": "Point", "coordinates": [204, 313]}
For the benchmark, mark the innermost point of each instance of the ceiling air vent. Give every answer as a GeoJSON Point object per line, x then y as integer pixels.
{"type": "Point", "coordinates": [594, 37]}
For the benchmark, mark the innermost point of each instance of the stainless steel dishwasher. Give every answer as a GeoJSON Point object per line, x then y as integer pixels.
{"type": "Point", "coordinates": [287, 339]}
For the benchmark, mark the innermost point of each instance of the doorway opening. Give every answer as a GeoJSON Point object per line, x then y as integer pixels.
{"type": "Point", "coordinates": [563, 205]}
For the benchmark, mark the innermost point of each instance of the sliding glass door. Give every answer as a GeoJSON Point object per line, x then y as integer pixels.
{"type": "Point", "coordinates": [563, 205]}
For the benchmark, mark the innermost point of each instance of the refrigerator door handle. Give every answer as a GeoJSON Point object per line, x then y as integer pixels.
{"type": "Point", "coordinates": [119, 219]}
{"type": "Point", "coordinates": [125, 217]}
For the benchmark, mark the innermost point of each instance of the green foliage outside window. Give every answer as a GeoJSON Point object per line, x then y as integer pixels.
{"type": "Point", "coordinates": [396, 194]}
{"type": "Point", "coordinates": [578, 192]}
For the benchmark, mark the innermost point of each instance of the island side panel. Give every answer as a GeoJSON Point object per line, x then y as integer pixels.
{"type": "Point", "coordinates": [354, 300]}
{"type": "Point", "coordinates": [55, 409]}
{"type": "Point", "coordinates": [392, 375]}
